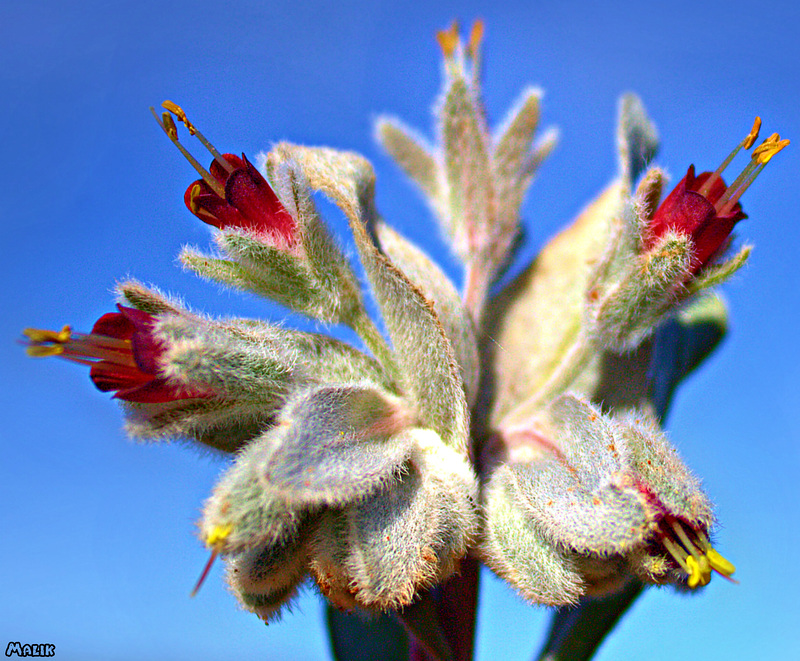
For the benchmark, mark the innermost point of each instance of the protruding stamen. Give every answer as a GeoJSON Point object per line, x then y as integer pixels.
{"type": "Point", "coordinates": [218, 535]}
{"type": "Point", "coordinates": [213, 540]}
{"type": "Point", "coordinates": [751, 138]}
{"type": "Point", "coordinates": [684, 538]}
{"type": "Point", "coordinates": [699, 568]}
{"type": "Point", "coordinates": [204, 574]}
{"type": "Point", "coordinates": [696, 574]}
{"type": "Point", "coordinates": [181, 115]}
{"type": "Point", "coordinates": [678, 554]}
{"type": "Point", "coordinates": [205, 174]}
{"type": "Point", "coordinates": [169, 126]}
{"type": "Point", "coordinates": [448, 40]}
{"type": "Point", "coordinates": [764, 152]}
{"type": "Point", "coordinates": [720, 564]}
{"type": "Point", "coordinates": [176, 110]}
{"type": "Point", "coordinates": [760, 157]}
{"type": "Point", "coordinates": [38, 335]}
{"type": "Point", "coordinates": [748, 142]}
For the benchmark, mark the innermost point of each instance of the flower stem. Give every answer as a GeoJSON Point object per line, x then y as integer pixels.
{"type": "Point", "coordinates": [577, 632]}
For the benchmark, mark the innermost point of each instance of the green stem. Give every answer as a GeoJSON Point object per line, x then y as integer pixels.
{"type": "Point", "coordinates": [577, 632]}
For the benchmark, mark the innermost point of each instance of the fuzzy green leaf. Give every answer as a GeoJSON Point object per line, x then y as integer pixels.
{"type": "Point", "coordinates": [336, 444]}
{"type": "Point", "coordinates": [637, 138]}
{"type": "Point", "coordinates": [265, 578]}
{"type": "Point", "coordinates": [467, 167]}
{"type": "Point", "coordinates": [437, 288]}
{"type": "Point", "coordinates": [411, 535]}
{"type": "Point", "coordinates": [424, 357]}
{"type": "Point", "coordinates": [516, 548]}
{"type": "Point", "coordinates": [574, 495]}
{"type": "Point", "coordinates": [411, 154]}
{"type": "Point", "coordinates": [716, 274]}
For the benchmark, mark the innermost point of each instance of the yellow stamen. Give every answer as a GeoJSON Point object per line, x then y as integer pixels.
{"type": "Point", "coordinates": [181, 115]}
{"type": "Point", "coordinates": [475, 39]}
{"type": "Point", "coordinates": [694, 572]}
{"type": "Point", "coordinates": [749, 141]}
{"type": "Point", "coordinates": [764, 152]}
{"type": "Point", "coordinates": [169, 125]}
{"type": "Point", "coordinates": [172, 134]}
{"type": "Point", "coordinates": [44, 351]}
{"type": "Point", "coordinates": [676, 552]}
{"type": "Point", "coordinates": [218, 534]}
{"type": "Point", "coordinates": [176, 110]}
{"type": "Point", "coordinates": [760, 156]}
{"type": "Point", "coordinates": [214, 540]}
{"type": "Point", "coordinates": [719, 563]}
{"type": "Point", "coordinates": [38, 335]}
{"type": "Point", "coordinates": [448, 40]}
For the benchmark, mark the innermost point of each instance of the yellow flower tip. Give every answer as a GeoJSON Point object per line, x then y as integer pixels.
{"type": "Point", "coordinates": [448, 40]}
{"type": "Point", "coordinates": [719, 563]}
{"type": "Point", "coordinates": [176, 110]}
{"type": "Point", "coordinates": [475, 38]}
{"type": "Point", "coordinates": [218, 535]}
{"type": "Point", "coordinates": [751, 138]}
{"type": "Point", "coordinates": [38, 335]}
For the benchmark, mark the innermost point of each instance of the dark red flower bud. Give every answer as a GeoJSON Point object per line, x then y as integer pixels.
{"type": "Point", "coordinates": [123, 355]}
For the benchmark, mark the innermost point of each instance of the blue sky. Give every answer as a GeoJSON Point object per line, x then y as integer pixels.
{"type": "Point", "coordinates": [99, 553]}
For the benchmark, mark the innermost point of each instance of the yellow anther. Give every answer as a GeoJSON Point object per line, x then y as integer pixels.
{"type": "Point", "coordinates": [766, 150]}
{"type": "Point", "coordinates": [475, 39]}
{"type": "Point", "coordinates": [448, 39]}
{"type": "Point", "coordinates": [176, 110]}
{"type": "Point", "coordinates": [197, 189]}
{"type": "Point", "coordinates": [45, 351]}
{"type": "Point", "coordinates": [749, 141]}
{"type": "Point", "coordinates": [720, 564]}
{"type": "Point", "coordinates": [694, 572]}
{"type": "Point", "coordinates": [699, 572]}
{"type": "Point", "coordinates": [38, 335]}
{"type": "Point", "coordinates": [218, 535]}
{"type": "Point", "coordinates": [169, 125]}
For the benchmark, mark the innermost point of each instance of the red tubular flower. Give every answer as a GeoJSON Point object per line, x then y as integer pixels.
{"type": "Point", "coordinates": [232, 193]}
{"type": "Point", "coordinates": [705, 208]}
{"type": "Point", "coordinates": [123, 355]}
{"type": "Point", "coordinates": [248, 202]}
{"type": "Point", "coordinates": [691, 212]}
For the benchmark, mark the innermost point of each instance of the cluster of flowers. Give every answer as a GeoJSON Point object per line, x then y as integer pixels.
{"type": "Point", "coordinates": [522, 428]}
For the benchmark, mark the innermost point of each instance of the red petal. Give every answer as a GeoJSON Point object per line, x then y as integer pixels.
{"type": "Point", "coordinates": [108, 376]}
{"type": "Point", "coordinates": [250, 193]}
{"type": "Point", "coordinates": [114, 324]}
{"type": "Point", "coordinates": [159, 391]}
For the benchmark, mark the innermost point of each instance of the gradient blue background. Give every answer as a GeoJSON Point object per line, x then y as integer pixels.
{"type": "Point", "coordinates": [98, 552]}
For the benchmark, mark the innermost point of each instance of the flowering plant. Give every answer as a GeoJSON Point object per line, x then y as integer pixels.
{"type": "Point", "coordinates": [520, 429]}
